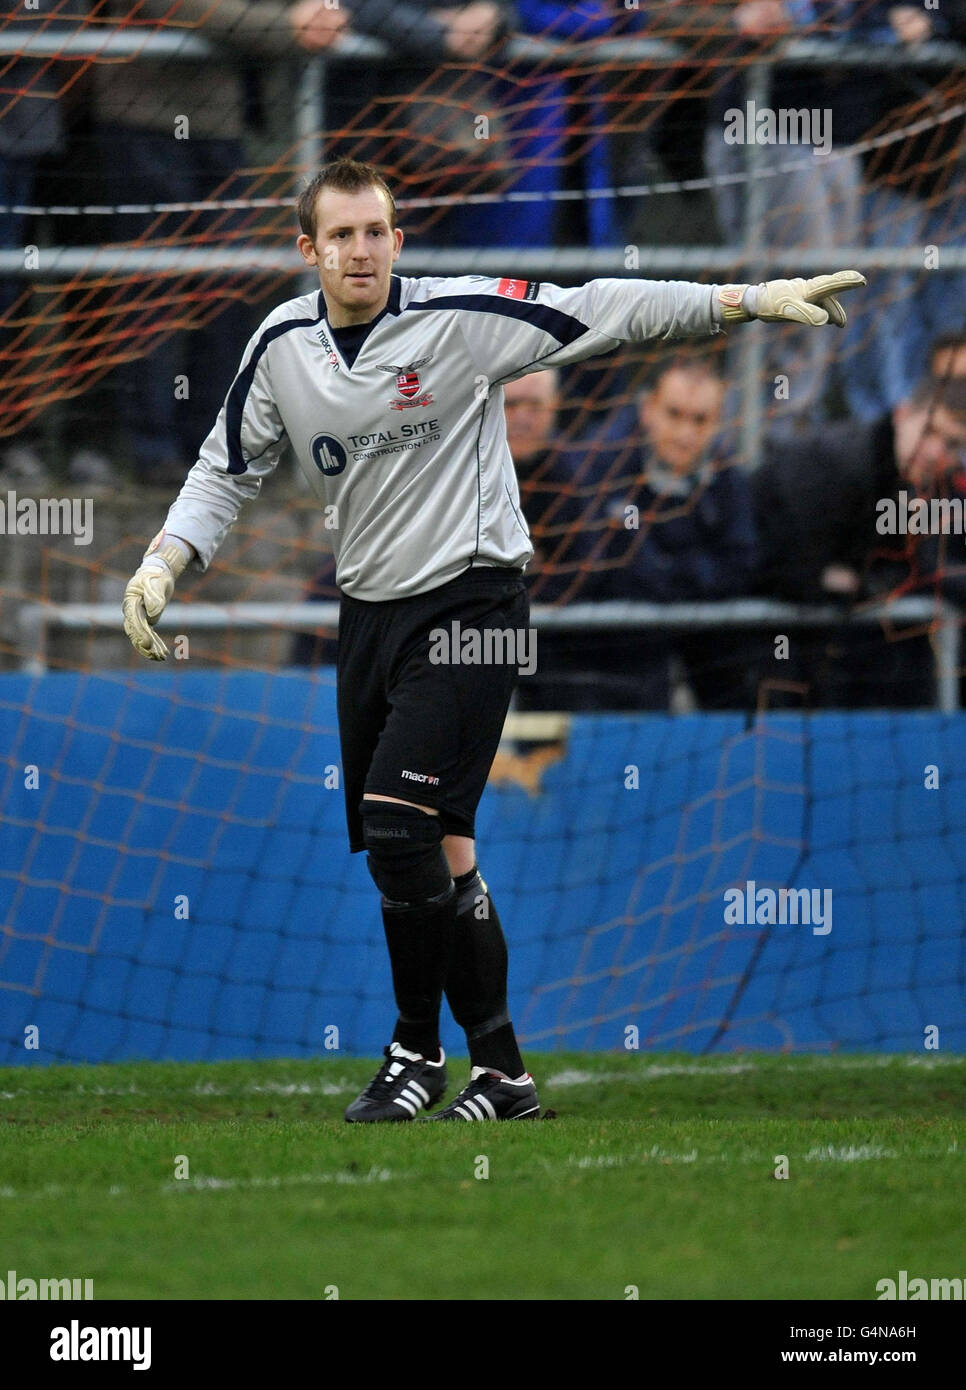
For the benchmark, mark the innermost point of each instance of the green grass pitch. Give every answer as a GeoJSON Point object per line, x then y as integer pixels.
{"type": "Point", "coordinates": [658, 1173]}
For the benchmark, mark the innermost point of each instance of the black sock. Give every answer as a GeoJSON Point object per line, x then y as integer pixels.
{"type": "Point", "coordinates": [476, 979]}
{"type": "Point", "coordinates": [419, 940]}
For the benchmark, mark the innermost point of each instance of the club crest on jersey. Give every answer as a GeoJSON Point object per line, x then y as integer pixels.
{"type": "Point", "coordinates": [407, 383]}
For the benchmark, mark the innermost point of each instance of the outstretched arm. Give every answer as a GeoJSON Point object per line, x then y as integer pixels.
{"type": "Point", "coordinates": [515, 326]}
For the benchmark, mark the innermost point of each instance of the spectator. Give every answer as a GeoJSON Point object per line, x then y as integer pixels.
{"type": "Point", "coordinates": [813, 204]}
{"type": "Point", "coordinates": [659, 514]}
{"type": "Point", "coordinates": [462, 33]}
{"type": "Point", "coordinates": [555, 137]}
{"type": "Point", "coordinates": [33, 127]}
{"type": "Point", "coordinates": [532, 406]}
{"type": "Point", "coordinates": [408, 113]}
{"type": "Point", "coordinates": [912, 197]}
{"type": "Point", "coordinates": [947, 357]}
{"type": "Point", "coordinates": [659, 143]}
{"type": "Point", "coordinates": [819, 502]}
{"type": "Point", "coordinates": [172, 132]}
{"type": "Point", "coordinates": [533, 108]}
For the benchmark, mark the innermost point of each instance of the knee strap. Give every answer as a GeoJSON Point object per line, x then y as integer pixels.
{"type": "Point", "coordinates": [405, 852]}
{"type": "Point", "coordinates": [469, 887]}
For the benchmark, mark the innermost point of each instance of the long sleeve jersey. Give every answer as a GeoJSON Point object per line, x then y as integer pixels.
{"type": "Point", "coordinates": [406, 447]}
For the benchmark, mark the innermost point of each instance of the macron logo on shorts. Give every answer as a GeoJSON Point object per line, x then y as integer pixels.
{"type": "Point", "coordinates": [425, 777]}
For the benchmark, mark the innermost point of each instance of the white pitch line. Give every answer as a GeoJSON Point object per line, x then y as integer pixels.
{"type": "Point", "coordinates": [206, 1184]}
{"type": "Point", "coordinates": [203, 1088]}
{"type": "Point", "coordinates": [303, 1088]}
{"type": "Point", "coordinates": [575, 1077]}
{"type": "Point", "coordinates": [861, 1153]}
{"type": "Point", "coordinates": [214, 1184]}
{"type": "Point", "coordinates": [569, 1077]}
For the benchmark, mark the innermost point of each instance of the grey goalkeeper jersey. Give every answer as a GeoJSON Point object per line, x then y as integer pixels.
{"type": "Point", "coordinates": [406, 449]}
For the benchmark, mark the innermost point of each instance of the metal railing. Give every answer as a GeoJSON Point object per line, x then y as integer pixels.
{"type": "Point", "coordinates": [36, 619]}
{"type": "Point", "coordinates": [308, 122]}
{"type": "Point", "coordinates": [570, 263]}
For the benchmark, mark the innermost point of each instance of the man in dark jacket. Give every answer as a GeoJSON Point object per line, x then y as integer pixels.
{"type": "Point", "coordinates": [543, 468]}
{"type": "Point", "coordinates": [832, 509]}
{"type": "Point", "coordinates": [653, 511]}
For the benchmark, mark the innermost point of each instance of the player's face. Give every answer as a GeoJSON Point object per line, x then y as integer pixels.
{"type": "Point", "coordinates": [354, 250]}
{"type": "Point", "coordinates": [680, 417]}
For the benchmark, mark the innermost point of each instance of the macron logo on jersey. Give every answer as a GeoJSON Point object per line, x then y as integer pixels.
{"type": "Point", "coordinates": [518, 289]}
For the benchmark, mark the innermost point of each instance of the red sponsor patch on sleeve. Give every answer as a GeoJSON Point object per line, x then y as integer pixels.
{"type": "Point", "coordinates": [512, 289]}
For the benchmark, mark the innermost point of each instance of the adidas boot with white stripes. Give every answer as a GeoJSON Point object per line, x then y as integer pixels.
{"type": "Point", "coordinates": [405, 1084]}
{"type": "Point", "coordinates": [490, 1096]}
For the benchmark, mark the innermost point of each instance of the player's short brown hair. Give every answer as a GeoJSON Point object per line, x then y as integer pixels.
{"type": "Point", "coordinates": [346, 176]}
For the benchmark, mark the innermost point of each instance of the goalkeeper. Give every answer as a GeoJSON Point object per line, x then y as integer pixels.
{"type": "Point", "coordinates": [389, 390]}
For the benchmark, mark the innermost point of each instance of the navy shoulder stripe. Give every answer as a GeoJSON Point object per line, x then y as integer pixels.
{"type": "Point", "coordinates": [238, 395]}
{"type": "Point", "coordinates": [559, 325]}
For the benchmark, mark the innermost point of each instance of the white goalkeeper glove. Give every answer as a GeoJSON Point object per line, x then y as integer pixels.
{"type": "Point", "coordinates": [149, 590]}
{"type": "Point", "coordinates": [811, 302]}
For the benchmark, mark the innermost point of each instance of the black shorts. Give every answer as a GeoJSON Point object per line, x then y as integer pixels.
{"type": "Point", "coordinates": [423, 730]}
